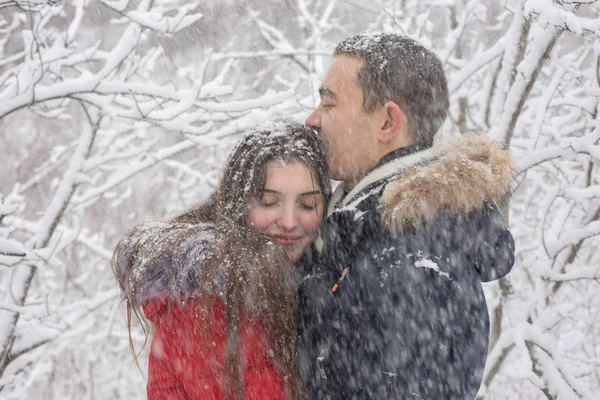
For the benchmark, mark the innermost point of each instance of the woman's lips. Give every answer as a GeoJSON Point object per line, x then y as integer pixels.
{"type": "Point", "coordinates": [285, 240]}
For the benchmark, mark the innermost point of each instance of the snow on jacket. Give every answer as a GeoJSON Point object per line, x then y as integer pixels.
{"type": "Point", "coordinates": [188, 350]}
{"type": "Point", "coordinates": [395, 308]}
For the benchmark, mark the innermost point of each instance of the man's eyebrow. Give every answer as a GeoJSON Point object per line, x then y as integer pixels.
{"type": "Point", "coordinates": [326, 92]}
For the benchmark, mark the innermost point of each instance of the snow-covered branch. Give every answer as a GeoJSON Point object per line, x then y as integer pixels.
{"type": "Point", "coordinates": [156, 18]}
{"type": "Point", "coordinates": [67, 187]}
{"type": "Point", "coordinates": [568, 146]}
{"type": "Point", "coordinates": [28, 5]}
{"type": "Point", "coordinates": [526, 74]}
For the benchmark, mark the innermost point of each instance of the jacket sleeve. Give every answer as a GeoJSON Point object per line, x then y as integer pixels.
{"type": "Point", "coordinates": [490, 242]}
{"type": "Point", "coordinates": [423, 332]}
{"type": "Point", "coordinates": [431, 305]}
{"type": "Point", "coordinates": [164, 383]}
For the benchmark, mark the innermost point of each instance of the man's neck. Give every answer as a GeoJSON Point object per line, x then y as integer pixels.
{"type": "Point", "coordinates": [350, 184]}
{"type": "Point", "coordinates": [387, 157]}
{"type": "Point", "coordinates": [399, 160]}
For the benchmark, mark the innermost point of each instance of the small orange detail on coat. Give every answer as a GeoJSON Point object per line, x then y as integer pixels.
{"type": "Point", "coordinates": [335, 287]}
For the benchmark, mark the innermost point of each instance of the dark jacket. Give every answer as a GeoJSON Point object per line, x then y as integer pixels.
{"type": "Point", "coordinates": [409, 318]}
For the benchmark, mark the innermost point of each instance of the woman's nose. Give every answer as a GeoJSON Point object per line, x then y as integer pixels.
{"type": "Point", "coordinates": [289, 219]}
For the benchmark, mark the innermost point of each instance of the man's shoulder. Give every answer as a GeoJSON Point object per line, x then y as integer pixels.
{"type": "Point", "coordinates": [465, 176]}
{"type": "Point", "coordinates": [454, 178]}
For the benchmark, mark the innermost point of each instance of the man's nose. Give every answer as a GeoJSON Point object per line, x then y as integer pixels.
{"type": "Point", "coordinates": [314, 120]}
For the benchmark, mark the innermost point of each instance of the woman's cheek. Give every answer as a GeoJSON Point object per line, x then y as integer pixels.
{"type": "Point", "coordinates": [312, 224]}
{"type": "Point", "coordinates": [259, 219]}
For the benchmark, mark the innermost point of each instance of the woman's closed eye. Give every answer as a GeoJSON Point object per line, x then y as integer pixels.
{"type": "Point", "coordinates": [310, 202]}
{"type": "Point", "coordinates": [308, 207]}
{"type": "Point", "coordinates": [269, 200]}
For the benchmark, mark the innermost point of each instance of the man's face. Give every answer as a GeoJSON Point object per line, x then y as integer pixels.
{"type": "Point", "coordinates": [348, 131]}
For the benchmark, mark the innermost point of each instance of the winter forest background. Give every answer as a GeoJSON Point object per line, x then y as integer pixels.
{"type": "Point", "coordinates": [117, 111]}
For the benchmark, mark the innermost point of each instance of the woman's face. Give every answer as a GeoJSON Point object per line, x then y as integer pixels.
{"type": "Point", "coordinates": [290, 207]}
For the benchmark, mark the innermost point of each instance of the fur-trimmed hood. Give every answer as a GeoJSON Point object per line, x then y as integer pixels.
{"type": "Point", "coordinates": [177, 260]}
{"type": "Point", "coordinates": [156, 259]}
{"type": "Point", "coordinates": [462, 175]}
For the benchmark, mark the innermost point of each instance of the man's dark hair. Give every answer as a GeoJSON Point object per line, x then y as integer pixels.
{"type": "Point", "coordinates": [397, 68]}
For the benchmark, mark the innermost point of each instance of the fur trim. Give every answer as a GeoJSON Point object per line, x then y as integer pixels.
{"type": "Point", "coordinates": [465, 174]}
{"type": "Point", "coordinates": [178, 260]}
{"type": "Point", "coordinates": [156, 259]}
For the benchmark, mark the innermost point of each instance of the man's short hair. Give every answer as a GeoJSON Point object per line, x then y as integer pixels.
{"type": "Point", "coordinates": [399, 69]}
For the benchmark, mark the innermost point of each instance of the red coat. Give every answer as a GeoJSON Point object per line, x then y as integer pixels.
{"type": "Point", "coordinates": [187, 356]}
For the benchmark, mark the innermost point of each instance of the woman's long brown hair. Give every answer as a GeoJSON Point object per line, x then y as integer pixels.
{"type": "Point", "coordinates": [259, 280]}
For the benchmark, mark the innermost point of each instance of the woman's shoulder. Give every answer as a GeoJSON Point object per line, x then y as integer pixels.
{"type": "Point", "coordinates": [158, 258]}
{"type": "Point", "coordinates": [165, 307]}
{"type": "Point", "coordinates": [150, 238]}
{"type": "Point", "coordinates": [207, 314]}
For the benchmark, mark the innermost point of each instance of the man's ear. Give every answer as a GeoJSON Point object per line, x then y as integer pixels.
{"type": "Point", "coordinates": [393, 122]}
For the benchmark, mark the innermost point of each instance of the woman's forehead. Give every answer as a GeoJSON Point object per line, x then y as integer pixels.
{"type": "Point", "coordinates": [290, 176]}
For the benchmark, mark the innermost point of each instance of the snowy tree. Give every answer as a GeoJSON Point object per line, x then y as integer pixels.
{"type": "Point", "coordinates": [87, 87]}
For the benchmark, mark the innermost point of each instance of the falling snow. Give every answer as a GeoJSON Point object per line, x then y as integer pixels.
{"type": "Point", "coordinates": [114, 112]}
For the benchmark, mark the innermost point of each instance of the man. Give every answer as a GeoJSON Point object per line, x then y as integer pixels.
{"type": "Point", "coordinates": [395, 308]}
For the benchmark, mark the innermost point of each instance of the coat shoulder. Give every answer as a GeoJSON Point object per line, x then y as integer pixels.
{"type": "Point", "coordinates": [465, 175]}
{"type": "Point", "coordinates": [157, 258]}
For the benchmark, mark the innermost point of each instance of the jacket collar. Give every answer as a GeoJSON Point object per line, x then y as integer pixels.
{"type": "Point", "coordinates": [401, 152]}
{"type": "Point", "coordinates": [390, 165]}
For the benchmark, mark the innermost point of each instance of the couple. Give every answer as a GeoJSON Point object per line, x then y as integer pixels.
{"type": "Point", "coordinates": [247, 303]}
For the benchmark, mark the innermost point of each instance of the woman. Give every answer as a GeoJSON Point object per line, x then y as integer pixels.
{"type": "Point", "coordinates": [220, 282]}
